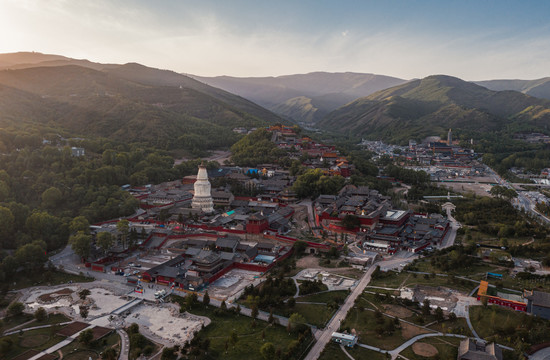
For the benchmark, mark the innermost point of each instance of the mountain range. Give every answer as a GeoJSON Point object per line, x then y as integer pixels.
{"type": "Point", "coordinates": [303, 97]}
{"type": "Point", "coordinates": [432, 105]}
{"type": "Point", "coordinates": [128, 102]}
{"type": "Point", "coordinates": [135, 103]}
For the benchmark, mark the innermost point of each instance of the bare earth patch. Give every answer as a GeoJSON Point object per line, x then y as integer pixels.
{"type": "Point", "coordinates": [55, 295]}
{"type": "Point", "coordinates": [308, 262]}
{"type": "Point", "coordinates": [396, 310]}
{"type": "Point", "coordinates": [409, 331]}
{"type": "Point", "coordinates": [423, 349]}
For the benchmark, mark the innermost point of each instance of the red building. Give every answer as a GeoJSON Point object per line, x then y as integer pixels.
{"type": "Point", "coordinates": [256, 224]}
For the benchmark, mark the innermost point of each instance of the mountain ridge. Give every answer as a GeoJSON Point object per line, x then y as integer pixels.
{"type": "Point", "coordinates": [431, 105]}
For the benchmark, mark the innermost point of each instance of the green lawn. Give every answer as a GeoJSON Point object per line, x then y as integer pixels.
{"type": "Point", "coordinates": [447, 348]}
{"type": "Point", "coordinates": [324, 297]}
{"type": "Point", "coordinates": [506, 326]}
{"type": "Point", "coordinates": [459, 326]}
{"type": "Point", "coordinates": [13, 321]}
{"type": "Point", "coordinates": [315, 314]}
{"type": "Point", "coordinates": [38, 339]}
{"type": "Point", "coordinates": [249, 339]}
{"type": "Point", "coordinates": [333, 352]}
{"type": "Point", "coordinates": [46, 277]}
{"type": "Point", "coordinates": [77, 350]}
{"type": "Point", "coordinates": [364, 322]}
{"type": "Point", "coordinates": [395, 280]}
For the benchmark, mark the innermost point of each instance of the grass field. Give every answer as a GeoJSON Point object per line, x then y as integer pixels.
{"type": "Point", "coordinates": [249, 339]}
{"type": "Point", "coordinates": [38, 339]}
{"type": "Point", "coordinates": [333, 352]}
{"type": "Point", "coordinates": [506, 326]}
{"type": "Point", "coordinates": [47, 277]}
{"type": "Point", "coordinates": [77, 350]}
{"type": "Point", "coordinates": [324, 297]}
{"type": "Point", "coordinates": [364, 322]}
{"type": "Point", "coordinates": [395, 280]}
{"type": "Point", "coordinates": [13, 321]}
{"type": "Point", "coordinates": [315, 314]}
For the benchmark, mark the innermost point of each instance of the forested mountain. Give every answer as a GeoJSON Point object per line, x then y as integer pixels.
{"type": "Point", "coordinates": [303, 97]}
{"type": "Point", "coordinates": [130, 103]}
{"type": "Point", "coordinates": [538, 88]}
{"type": "Point", "coordinates": [432, 105]}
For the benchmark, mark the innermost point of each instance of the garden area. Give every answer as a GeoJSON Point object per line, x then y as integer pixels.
{"type": "Point", "coordinates": [333, 352]}
{"type": "Point", "coordinates": [84, 347]}
{"type": "Point", "coordinates": [508, 327]}
{"type": "Point", "coordinates": [234, 336]}
{"type": "Point", "coordinates": [38, 339]}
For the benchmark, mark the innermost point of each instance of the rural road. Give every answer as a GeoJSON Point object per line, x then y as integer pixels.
{"type": "Point", "coordinates": [334, 324]}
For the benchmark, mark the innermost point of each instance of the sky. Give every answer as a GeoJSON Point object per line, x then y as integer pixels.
{"type": "Point", "coordinates": [473, 40]}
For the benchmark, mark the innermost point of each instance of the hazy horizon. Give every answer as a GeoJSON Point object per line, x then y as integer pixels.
{"type": "Point", "coordinates": [404, 39]}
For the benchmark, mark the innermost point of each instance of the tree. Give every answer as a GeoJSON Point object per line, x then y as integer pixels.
{"type": "Point", "coordinates": [40, 314]}
{"type": "Point", "coordinates": [83, 294]}
{"type": "Point", "coordinates": [81, 244]}
{"type": "Point", "coordinates": [254, 311]}
{"type": "Point", "coordinates": [32, 256]}
{"type": "Point", "coordinates": [7, 221]}
{"type": "Point", "coordinates": [79, 223]}
{"type": "Point", "coordinates": [233, 338]}
{"type": "Point", "coordinates": [270, 319]}
{"type": "Point", "coordinates": [15, 308]}
{"type": "Point", "coordinates": [296, 319]}
{"type": "Point", "coordinates": [291, 302]}
{"type": "Point", "coordinates": [223, 305]}
{"type": "Point", "coordinates": [123, 229]}
{"type": "Point", "coordinates": [104, 241]}
{"type": "Point", "coordinates": [83, 311]}
{"type": "Point", "coordinates": [439, 314]}
{"type": "Point", "coordinates": [51, 198]}
{"type": "Point", "coordinates": [426, 307]}
{"type": "Point", "coordinates": [299, 247]}
{"type": "Point", "coordinates": [206, 298]}
{"type": "Point", "coordinates": [86, 336]}
{"type": "Point", "coordinates": [351, 221]}
{"type": "Point", "coordinates": [268, 351]}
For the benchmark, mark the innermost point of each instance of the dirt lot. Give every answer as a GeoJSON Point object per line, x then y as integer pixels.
{"type": "Point", "coordinates": [312, 262]}
{"type": "Point", "coordinates": [478, 189]}
{"type": "Point", "coordinates": [55, 295]}
{"type": "Point", "coordinates": [423, 349]}
{"type": "Point", "coordinates": [396, 310]}
{"type": "Point", "coordinates": [409, 331]}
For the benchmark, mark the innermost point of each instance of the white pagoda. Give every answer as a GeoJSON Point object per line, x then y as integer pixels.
{"type": "Point", "coordinates": [202, 199]}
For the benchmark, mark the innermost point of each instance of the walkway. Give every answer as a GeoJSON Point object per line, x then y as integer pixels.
{"type": "Point", "coordinates": [334, 323]}
{"type": "Point", "coordinates": [542, 354]}
{"type": "Point", "coordinates": [124, 344]}
{"type": "Point", "coordinates": [60, 345]}
{"type": "Point", "coordinates": [11, 331]}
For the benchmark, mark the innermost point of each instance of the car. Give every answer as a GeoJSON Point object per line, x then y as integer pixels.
{"type": "Point", "coordinates": [131, 264]}
{"type": "Point", "coordinates": [137, 265]}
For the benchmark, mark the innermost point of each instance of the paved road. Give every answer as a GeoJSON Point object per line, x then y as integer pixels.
{"type": "Point", "coordinates": [542, 354]}
{"type": "Point", "coordinates": [334, 324]}
{"type": "Point", "coordinates": [125, 344]}
{"type": "Point", "coordinates": [340, 315]}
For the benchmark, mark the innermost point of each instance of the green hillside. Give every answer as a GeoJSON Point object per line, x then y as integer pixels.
{"type": "Point", "coordinates": [432, 105]}
{"type": "Point", "coordinates": [304, 97]}
{"type": "Point", "coordinates": [129, 103]}
{"type": "Point", "coordinates": [538, 88]}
